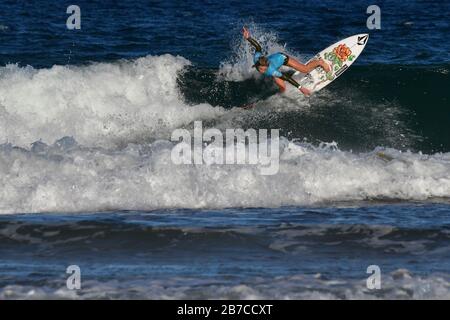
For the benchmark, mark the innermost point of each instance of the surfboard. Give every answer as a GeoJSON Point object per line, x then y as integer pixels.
{"type": "Point", "coordinates": [340, 56]}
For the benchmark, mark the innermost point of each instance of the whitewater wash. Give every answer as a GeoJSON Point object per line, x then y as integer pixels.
{"type": "Point", "coordinates": [236, 150]}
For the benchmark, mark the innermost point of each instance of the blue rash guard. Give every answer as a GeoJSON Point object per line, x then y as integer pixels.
{"type": "Point", "coordinates": [276, 60]}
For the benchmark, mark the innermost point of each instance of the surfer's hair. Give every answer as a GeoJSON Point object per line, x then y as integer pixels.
{"type": "Point", "coordinates": [263, 61]}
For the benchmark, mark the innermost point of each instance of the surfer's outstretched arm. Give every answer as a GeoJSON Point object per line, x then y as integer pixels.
{"type": "Point", "coordinates": [280, 83]}
{"type": "Point", "coordinates": [252, 41]}
{"type": "Point", "coordinates": [289, 79]}
{"type": "Point", "coordinates": [255, 44]}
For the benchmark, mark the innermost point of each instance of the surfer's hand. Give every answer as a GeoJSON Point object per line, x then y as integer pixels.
{"type": "Point", "coordinates": [305, 91]}
{"type": "Point", "coordinates": [246, 33]}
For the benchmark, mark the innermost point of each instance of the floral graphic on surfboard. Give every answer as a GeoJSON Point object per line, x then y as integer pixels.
{"type": "Point", "coordinates": [340, 56]}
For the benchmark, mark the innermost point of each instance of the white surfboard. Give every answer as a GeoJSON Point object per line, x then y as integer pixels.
{"type": "Point", "coordinates": [340, 56]}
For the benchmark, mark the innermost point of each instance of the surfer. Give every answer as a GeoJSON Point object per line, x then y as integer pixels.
{"type": "Point", "coordinates": [270, 65]}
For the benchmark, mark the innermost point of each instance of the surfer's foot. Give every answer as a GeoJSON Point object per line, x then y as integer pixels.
{"type": "Point", "coordinates": [305, 91]}
{"type": "Point", "coordinates": [325, 66]}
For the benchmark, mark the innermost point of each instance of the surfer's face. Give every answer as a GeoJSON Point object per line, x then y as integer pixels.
{"type": "Point", "coordinates": [262, 69]}
{"type": "Point", "coordinates": [263, 64]}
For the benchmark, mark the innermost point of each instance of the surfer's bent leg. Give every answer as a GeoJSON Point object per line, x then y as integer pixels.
{"type": "Point", "coordinates": [306, 68]}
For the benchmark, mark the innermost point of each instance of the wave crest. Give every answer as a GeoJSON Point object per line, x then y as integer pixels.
{"type": "Point", "coordinates": [99, 104]}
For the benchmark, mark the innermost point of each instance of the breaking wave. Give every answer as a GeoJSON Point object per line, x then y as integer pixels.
{"type": "Point", "coordinates": [96, 137]}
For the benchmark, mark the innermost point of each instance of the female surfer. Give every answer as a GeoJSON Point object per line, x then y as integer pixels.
{"type": "Point", "coordinates": [270, 65]}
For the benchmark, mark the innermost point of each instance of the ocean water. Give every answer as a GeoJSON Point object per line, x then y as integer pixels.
{"type": "Point", "coordinates": [86, 176]}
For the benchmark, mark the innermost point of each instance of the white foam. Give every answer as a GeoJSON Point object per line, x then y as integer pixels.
{"type": "Point", "coordinates": [66, 177]}
{"type": "Point", "coordinates": [100, 104]}
{"type": "Point", "coordinates": [297, 286]}
{"type": "Point", "coordinates": [130, 103]}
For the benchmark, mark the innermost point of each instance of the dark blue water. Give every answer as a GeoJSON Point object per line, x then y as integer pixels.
{"type": "Point", "coordinates": [412, 32]}
{"type": "Point", "coordinates": [85, 119]}
{"type": "Point", "coordinates": [276, 253]}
